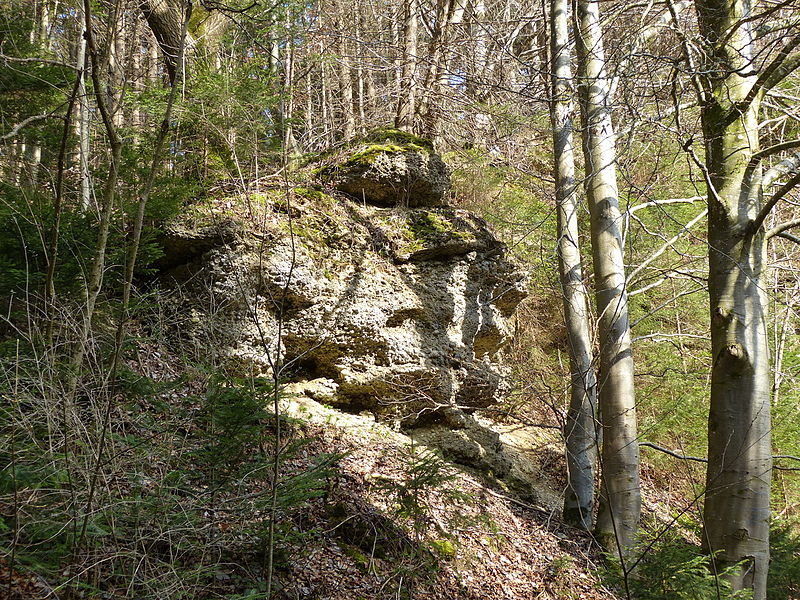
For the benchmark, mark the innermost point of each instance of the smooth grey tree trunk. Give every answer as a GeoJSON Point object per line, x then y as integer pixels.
{"type": "Point", "coordinates": [736, 512]}
{"type": "Point", "coordinates": [580, 431]}
{"type": "Point", "coordinates": [620, 496]}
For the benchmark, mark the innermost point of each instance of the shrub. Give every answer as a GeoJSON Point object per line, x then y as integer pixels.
{"type": "Point", "coordinates": [671, 568]}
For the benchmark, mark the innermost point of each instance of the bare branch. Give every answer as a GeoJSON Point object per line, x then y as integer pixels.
{"type": "Point", "coordinates": [668, 244]}
{"type": "Point", "coordinates": [776, 149]}
{"type": "Point", "coordinates": [788, 236]}
{"type": "Point", "coordinates": [776, 25]}
{"type": "Point", "coordinates": [705, 460]}
{"type": "Point", "coordinates": [672, 453]}
{"type": "Point", "coordinates": [781, 66]}
{"type": "Point", "coordinates": [44, 61]}
{"type": "Point", "coordinates": [24, 123]}
{"type": "Point", "coordinates": [778, 229]}
{"type": "Point", "coordinates": [664, 336]}
{"type": "Point", "coordinates": [673, 299]}
{"type": "Point", "coordinates": [756, 224]}
{"type": "Point", "coordinates": [788, 166]}
{"type": "Point", "coordinates": [651, 203]}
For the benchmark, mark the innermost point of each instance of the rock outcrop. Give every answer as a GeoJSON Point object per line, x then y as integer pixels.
{"type": "Point", "coordinates": [399, 311]}
{"type": "Point", "coordinates": [390, 168]}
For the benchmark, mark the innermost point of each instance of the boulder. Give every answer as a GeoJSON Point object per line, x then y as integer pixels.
{"type": "Point", "coordinates": [402, 312]}
{"type": "Point", "coordinates": [390, 168]}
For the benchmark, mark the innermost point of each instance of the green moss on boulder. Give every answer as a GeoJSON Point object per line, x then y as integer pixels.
{"type": "Point", "coordinates": [389, 167]}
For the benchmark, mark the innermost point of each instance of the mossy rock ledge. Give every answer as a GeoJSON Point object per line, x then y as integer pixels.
{"type": "Point", "coordinates": [390, 168]}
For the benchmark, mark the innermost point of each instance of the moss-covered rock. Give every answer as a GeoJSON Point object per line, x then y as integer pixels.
{"type": "Point", "coordinates": [389, 167]}
{"type": "Point", "coordinates": [396, 311]}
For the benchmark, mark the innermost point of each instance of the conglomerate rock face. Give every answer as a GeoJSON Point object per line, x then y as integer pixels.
{"type": "Point", "coordinates": [398, 311]}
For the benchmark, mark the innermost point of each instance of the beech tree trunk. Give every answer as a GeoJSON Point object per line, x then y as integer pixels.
{"type": "Point", "coordinates": [620, 496]}
{"type": "Point", "coordinates": [83, 121]}
{"type": "Point", "coordinates": [346, 91]}
{"type": "Point", "coordinates": [580, 431]}
{"type": "Point", "coordinates": [736, 513]}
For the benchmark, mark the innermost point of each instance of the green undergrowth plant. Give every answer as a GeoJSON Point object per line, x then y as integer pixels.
{"type": "Point", "coordinates": [669, 567]}
{"type": "Point", "coordinates": [784, 566]}
{"type": "Point", "coordinates": [424, 476]}
{"type": "Point", "coordinates": [184, 489]}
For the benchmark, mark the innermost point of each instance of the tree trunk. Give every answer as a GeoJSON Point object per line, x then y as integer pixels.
{"type": "Point", "coordinates": [429, 110]}
{"type": "Point", "coordinates": [346, 92]}
{"type": "Point", "coordinates": [325, 95]}
{"type": "Point", "coordinates": [94, 278]}
{"type": "Point", "coordinates": [407, 98]}
{"type": "Point", "coordinates": [165, 18]}
{"type": "Point", "coordinates": [477, 89]}
{"type": "Point", "coordinates": [736, 512]}
{"type": "Point", "coordinates": [83, 120]}
{"type": "Point", "coordinates": [620, 496]}
{"type": "Point", "coordinates": [580, 430]}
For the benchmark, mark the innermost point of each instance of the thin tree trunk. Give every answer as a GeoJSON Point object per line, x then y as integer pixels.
{"type": "Point", "coordinates": [360, 87]}
{"type": "Point", "coordinates": [309, 112]}
{"type": "Point", "coordinates": [620, 495]}
{"type": "Point", "coordinates": [476, 80]}
{"type": "Point", "coordinates": [397, 62]}
{"type": "Point", "coordinates": [291, 147]}
{"type": "Point", "coordinates": [55, 232]}
{"type": "Point", "coordinates": [324, 96]}
{"type": "Point", "coordinates": [407, 98]}
{"type": "Point", "coordinates": [344, 72]}
{"type": "Point", "coordinates": [83, 121]}
{"type": "Point", "coordinates": [94, 279]}
{"type": "Point", "coordinates": [117, 68]}
{"type": "Point", "coordinates": [36, 162]}
{"type": "Point", "coordinates": [580, 430]}
{"type": "Point", "coordinates": [429, 107]}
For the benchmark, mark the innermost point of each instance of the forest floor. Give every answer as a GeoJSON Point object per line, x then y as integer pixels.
{"type": "Point", "coordinates": [364, 511]}
{"type": "Point", "coordinates": [473, 539]}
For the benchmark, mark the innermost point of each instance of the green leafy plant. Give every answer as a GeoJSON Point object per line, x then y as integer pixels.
{"type": "Point", "coordinates": [784, 567]}
{"type": "Point", "coordinates": [423, 472]}
{"type": "Point", "coordinates": [671, 569]}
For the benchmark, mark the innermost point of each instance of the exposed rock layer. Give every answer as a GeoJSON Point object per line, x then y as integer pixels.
{"type": "Point", "coordinates": [395, 178]}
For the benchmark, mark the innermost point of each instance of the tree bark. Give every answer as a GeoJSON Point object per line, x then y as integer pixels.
{"type": "Point", "coordinates": [83, 120]}
{"type": "Point", "coordinates": [165, 20]}
{"type": "Point", "coordinates": [94, 278]}
{"type": "Point", "coordinates": [477, 89]}
{"type": "Point", "coordinates": [580, 430]}
{"type": "Point", "coordinates": [736, 512]}
{"type": "Point", "coordinates": [620, 496]}
{"type": "Point", "coordinates": [429, 111]}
